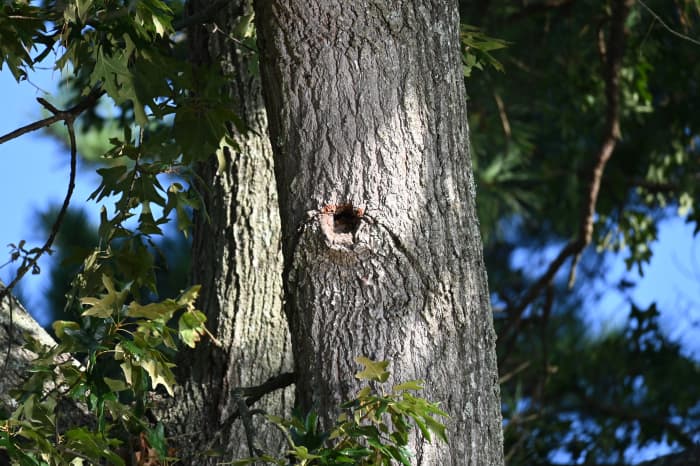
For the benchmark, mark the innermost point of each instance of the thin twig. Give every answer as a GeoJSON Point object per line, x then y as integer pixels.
{"type": "Point", "coordinates": [666, 26]}
{"type": "Point", "coordinates": [247, 418]}
{"type": "Point", "coordinates": [504, 116]}
{"type": "Point", "coordinates": [68, 117]}
{"type": "Point", "coordinates": [30, 127]}
{"type": "Point", "coordinates": [232, 38]}
{"type": "Point", "coordinates": [64, 115]}
{"type": "Point", "coordinates": [506, 377]}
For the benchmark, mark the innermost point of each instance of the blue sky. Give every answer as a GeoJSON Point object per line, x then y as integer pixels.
{"type": "Point", "coordinates": [34, 174]}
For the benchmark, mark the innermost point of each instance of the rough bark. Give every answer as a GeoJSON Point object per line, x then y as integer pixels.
{"type": "Point", "coordinates": [380, 238]}
{"type": "Point", "coordinates": [238, 262]}
{"type": "Point", "coordinates": [15, 364]}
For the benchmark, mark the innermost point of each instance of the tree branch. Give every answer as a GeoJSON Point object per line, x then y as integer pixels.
{"type": "Point", "coordinates": [666, 26]}
{"type": "Point", "coordinates": [58, 115]}
{"type": "Point", "coordinates": [612, 62]}
{"type": "Point", "coordinates": [253, 394]}
{"type": "Point", "coordinates": [68, 117]}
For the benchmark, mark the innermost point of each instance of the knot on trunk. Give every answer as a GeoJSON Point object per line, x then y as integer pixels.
{"type": "Point", "coordinates": [339, 223]}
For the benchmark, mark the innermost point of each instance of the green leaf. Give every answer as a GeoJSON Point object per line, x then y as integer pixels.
{"type": "Point", "coordinates": [362, 394]}
{"type": "Point", "coordinates": [197, 132]}
{"type": "Point", "coordinates": [357, 452]}
{"type": "Point", "coordinates": [92, 445]}
{"type": "Point", "coordinates": [191, 327]}
{"type": "Point", "coordinates": [64, 328]}
{"type": "Point", "coordinates": [408, 385]}
{"type": "Point", "coordinates": [189, 296]}
{"type": "Point", "coordinates": [129, 371]}
{"type": "Point", "coordinates": [115, 385]}
{"type": "Point", "coordinates": [160, 374]}
{"type": "Point", "coordinates": [108, 303]}
{"type": "Point", "coordinates": [156, 439]}
{"type": "Point", "coordinates": [374, 370]}
{"type": "Point", "coordinates": [401, 454]}
{"type": "Point", "coordinates": [436, 427]}
{"type": "Point", "coordinates": [82, 8]}
{"type": "Point", "coordinates": [302, 453]}
{"type": "Point", "coordinates": [163, 310]}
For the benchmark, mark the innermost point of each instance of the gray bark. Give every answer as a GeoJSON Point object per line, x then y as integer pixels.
{"type": "Point", "coordinates": [15, 322]}
{"type": "Point", "coordinates": [380, 238]}
{"type": "Point", "coordinates": [237, 260]}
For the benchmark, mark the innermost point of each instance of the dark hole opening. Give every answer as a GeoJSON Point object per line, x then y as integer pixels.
{"type": "Point", "coordinates": [345, 220]}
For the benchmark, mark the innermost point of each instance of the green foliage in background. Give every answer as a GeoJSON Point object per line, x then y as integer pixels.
{"type": "Point", "coordinates": [570, 392]}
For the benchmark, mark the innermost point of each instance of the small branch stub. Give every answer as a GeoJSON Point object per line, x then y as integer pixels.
{"type": "Point", "coordinates": [339, 223]}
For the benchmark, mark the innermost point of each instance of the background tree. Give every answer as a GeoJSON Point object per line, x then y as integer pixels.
{"type": "Point", "coordinates": [237, 258]}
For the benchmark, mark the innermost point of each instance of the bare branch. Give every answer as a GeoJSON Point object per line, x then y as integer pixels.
{"type": "Point", "coordinates": [68, 118]}
{"type": "Point", "coordinates": [612, 62]}
{"type": "Point", "coordinates": [58, 115]}
{"type": "Point", "coordinates": [503, 115]}
{"type": "Point", "coordinates": [253, 394]}
{"type": "Point", "coordinates": [666, 26]}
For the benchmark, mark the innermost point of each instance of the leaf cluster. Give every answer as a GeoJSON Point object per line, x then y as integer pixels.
{"type": "Point", "coordinates": [115, 355]}
{"type": "Point", "coordinates": [109, 365]}
{"type": "Point", "coordinates": [374, 428]}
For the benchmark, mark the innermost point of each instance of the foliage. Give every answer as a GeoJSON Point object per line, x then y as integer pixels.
{"type": "Point", "coordinates": [110, 363]}
{"type": "Point", "coordinates": [117, 337]}
{"type": "Point", "coordinates": [568, 392]}
{"type": "Point", "coordinates": [477, 48]}
{"type": "Point", "coordinates": [373, 429]}
{"type": "Point", "coordinates": [113, 354]}
{"type": "Point", "coordinates": [78, 238]}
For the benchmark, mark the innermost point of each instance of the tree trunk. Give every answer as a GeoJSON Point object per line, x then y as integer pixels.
{"type": "Point", "coordinates": [238, 262]}
{"type": "Point", "coordinates": [15, 324]}
{"type": "Point", "coordinates": [382, 252]}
